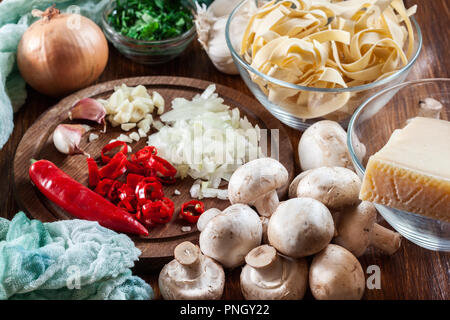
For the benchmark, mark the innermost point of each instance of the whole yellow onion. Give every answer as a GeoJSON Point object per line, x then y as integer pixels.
{"type": "Point", "coordinates": [61, 53]}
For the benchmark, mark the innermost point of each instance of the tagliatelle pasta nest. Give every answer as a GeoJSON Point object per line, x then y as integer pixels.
{"type": "Point", "coordinates": [326, 44]}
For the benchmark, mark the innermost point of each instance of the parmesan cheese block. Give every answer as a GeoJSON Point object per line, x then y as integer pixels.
{"type": "Point", "coordinates": [412, 171]}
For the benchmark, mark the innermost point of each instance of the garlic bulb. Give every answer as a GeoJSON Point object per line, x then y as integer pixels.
{"type": "Point", "coordinates": [211, 22]}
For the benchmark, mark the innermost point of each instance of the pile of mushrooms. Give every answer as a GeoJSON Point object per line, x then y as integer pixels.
{"type": "Point", "coordinates": [323, 219]}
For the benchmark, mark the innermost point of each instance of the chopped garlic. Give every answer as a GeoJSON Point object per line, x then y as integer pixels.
{"type": "Point", "coordinates": [112, 121]}
{"type": "Point", "coordinates": [177, 192]}
{"type": "Point", "coordinates": [129, 149]}
{"type": "Point", "coordinates": [144, 125]}
{"type": "Point", "coordinates": [124, 138]}
{"type": "Point", "coordinates": [134, 136]}
{"type": "Point", "coordinates": [127, 126]}
{"type": "Point", "coordinates": [142, 133]}
{"type": "Point", "coordinates": [186, 228]}
{"type": "Point", "coordinates": [130, 105]}
{"type": "Point", "coordinates": [93, 137]}
{"type": "Point", "coordinates": [158, 125]}
{"type": "Point", "coordinates": [158, 101]}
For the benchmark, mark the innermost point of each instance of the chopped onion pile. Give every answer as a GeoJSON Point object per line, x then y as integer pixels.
{"type": "Point", "coordinates": [206, 140]}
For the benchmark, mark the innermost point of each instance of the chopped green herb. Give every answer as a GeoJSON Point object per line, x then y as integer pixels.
{"type": "Point", "coordinates": [151, 20]}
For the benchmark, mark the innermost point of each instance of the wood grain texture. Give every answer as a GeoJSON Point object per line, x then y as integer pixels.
{"type": "Point", "coordinates": [157, 248]}
{"type": "Point", "coordinates": [412, 273]}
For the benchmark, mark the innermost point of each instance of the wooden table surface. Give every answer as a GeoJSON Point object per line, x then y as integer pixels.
{"type": "Point", "coordinates": [412, 273]}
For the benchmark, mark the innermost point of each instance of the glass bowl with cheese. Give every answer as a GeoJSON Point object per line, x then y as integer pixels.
{"type": "Point", "coordinates": [307, 61]}
{"type": "Point", "coordinates": [405, 162]}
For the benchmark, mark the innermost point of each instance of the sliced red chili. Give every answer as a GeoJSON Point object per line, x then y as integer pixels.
{"type": "Point", "coordinates": [113, 193]}
{"type": "Point", "coordinates": [126, 205]}
{"type": "Point", "coordinates": [149, 189]}
{"type": "Point", "coordinates": [144, 154]}
{"type": "Point", "coordinates": [191, 210]}
{"type": "Point", "coordinates": [126, 193]}
{"type": "Point", "coordinates": [162, 167]}
{"type": "Point", "coordinates": [104, 186]}
{"type": "Point", "coordinates": [115, 168]}
{"type": "Point", "coordinates": [133, 180]}
{"type": "Point", "coordinates": [136, 168]}
{"type": "Point", "coordinates": [160, 211]}
{"type": "Point", "coordinates": [94, 175]}
{"type": "Point", "coordinates": [111, 146]}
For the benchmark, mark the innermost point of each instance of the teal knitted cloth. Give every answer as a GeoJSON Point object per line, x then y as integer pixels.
{"type": "Point", "coordinates": [70, 259]}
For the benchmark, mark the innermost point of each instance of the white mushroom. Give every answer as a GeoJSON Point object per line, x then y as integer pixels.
{"type": "Point", "coordinates": [256, 183]}
{"type": "Point", "coordinates": [265, 225]}
{"type": "Point", "coordinates": [230, 235]}
{"type": "Point", "coordinates": [336, 274]}
{"type": "Point", "coordinates": [357, 230]}
{"type": "Point", "coordinates": [205, 217]}
{"type": "Point", "coordinates": [335, 187]}
{"type": "Point", "coordinates": [269, 276]}
{"type": "Point", "coordinates": [294, 184]}
{"type": "Point", "coordinates": [324, 144]}
{"type": "Point", "coordinates": [191, 276]}
{"type": "Point", "coordinates": [300, 227]}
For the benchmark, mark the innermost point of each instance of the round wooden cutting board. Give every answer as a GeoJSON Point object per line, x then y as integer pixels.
{"type": "Point", "coordinates": [37, 143]}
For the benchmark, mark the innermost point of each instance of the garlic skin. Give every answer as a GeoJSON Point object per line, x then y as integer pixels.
{"type": "Point", "coordinates": [89, 109]}
{"type": "Point", "coordinates": [210, 24]}
{"type": "Point", "coordinates": [67, 138]}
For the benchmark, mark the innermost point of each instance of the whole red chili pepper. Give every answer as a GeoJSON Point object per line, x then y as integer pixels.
{"type": "Point", "coordinates": [111, 146]}
{"type": "Point", "coordinates": [80, 201]}
{"type": "Point", "coordinates": [197, 208]}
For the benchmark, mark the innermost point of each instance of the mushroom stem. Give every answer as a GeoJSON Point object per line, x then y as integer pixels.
{"type": "Point", "coordinates": [385, 239]}
{"type": "Point", "coordinates": [265, 260]}
{"type": "Point", "coordinates": [188, 255]}
{"type": "Point", "coordinates": [267, 204]}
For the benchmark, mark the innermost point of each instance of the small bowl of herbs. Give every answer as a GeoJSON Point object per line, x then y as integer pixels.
{"type": "Point", "coordinates": [149, 31]}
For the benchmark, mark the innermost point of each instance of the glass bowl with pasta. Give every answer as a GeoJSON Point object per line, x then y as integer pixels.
{"type": "Point", "coordinates": [309, 60]}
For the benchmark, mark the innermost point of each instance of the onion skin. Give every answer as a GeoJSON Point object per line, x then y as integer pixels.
{"type": "Point", "coordinates": [56, 58]}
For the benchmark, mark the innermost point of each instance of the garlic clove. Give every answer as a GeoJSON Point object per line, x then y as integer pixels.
{"type": "Point", "coordinates": [89, 109]}
{"type": "Point", "coordinates": [67, 138]}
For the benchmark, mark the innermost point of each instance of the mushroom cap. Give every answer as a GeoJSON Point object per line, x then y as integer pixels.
{"type": "Point", "coordinates": [300, 227]}
{"type": "Point", "coordinates": [294, 184]}
{"type": "Point", "coordinates": [355, 226]}
{"type": "Point", "coordinates": [324, 144]}
{"type": "Point", "coordinates": [229, 236]}
{"type": "Point", "coordinates": [205, 217]}
{"type": "Point", "coordinates": [269, 276]}
{"type": "Point", "coordinates": [336, 274]}
{"type": "Point", "coordinates": [335, 187]}
{"type": "Point", "coordinates": [197, 277]}
{"type": "Point", "coordinates": [255, 179]}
